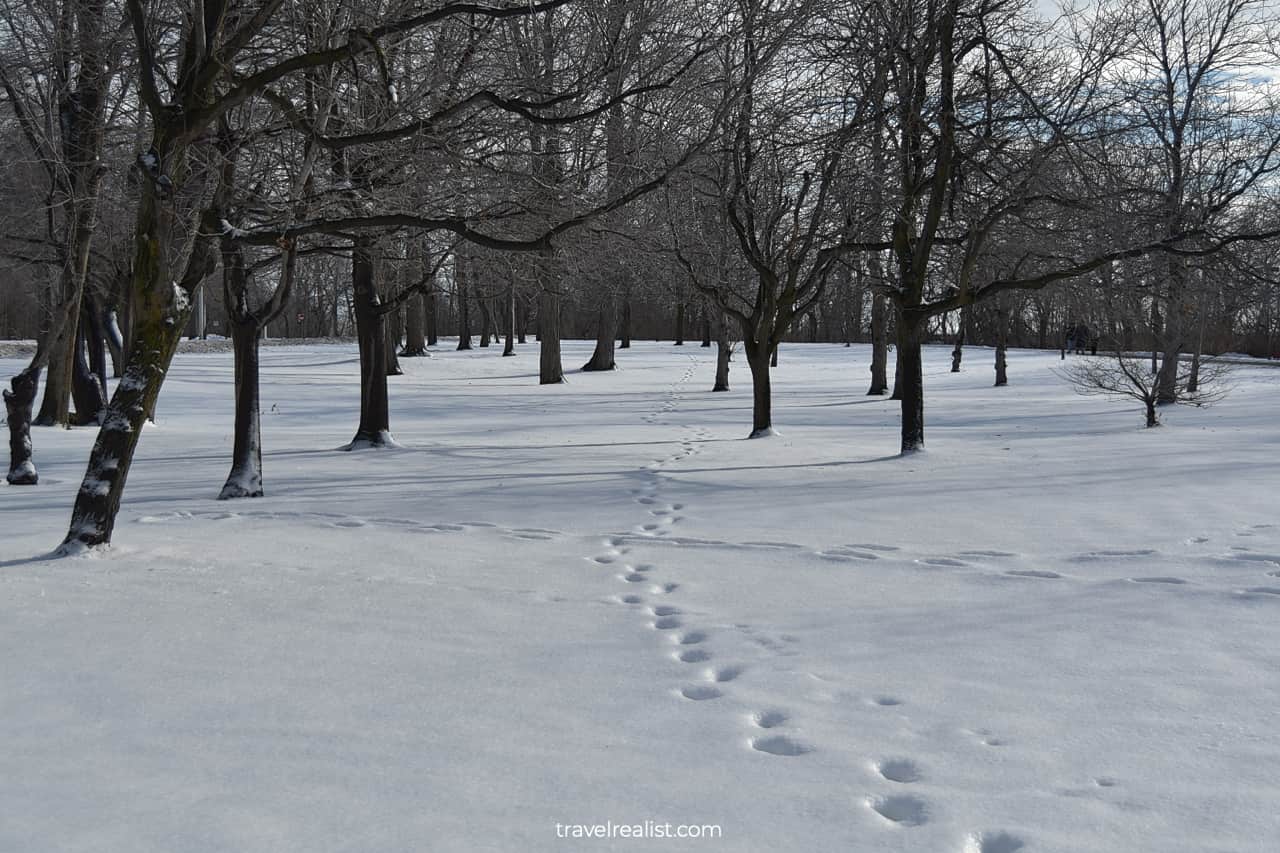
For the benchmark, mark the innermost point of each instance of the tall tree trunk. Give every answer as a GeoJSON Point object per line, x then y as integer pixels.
{"type": "Point", "coordinates": [1002, 341]}
{"type": "Point", "coordinates": [910, 381]}
{"type": "Point", "coordinates": [375, 418]}
{"type": "Point", "coordinates": [429, 308]}
{"type": "Point", "coordinates": [957, 353]}
{"type": "Point", "coordinates": [18, 403]}
{"type": "Point", "coordinates": [509, 348]}
{"type": "Point", "coordinates": [625, 333]}
{"type": "Point", "coordinates": [1175, 324]}
{"type": "Point", "coordinates": [723, 351]}
{"type": "Point", "coordinates": [879, 345]}
{"type": "Point", "coordinates": [96, 341]}
{"type": "Point", "coordinates": [758, 355]}
{"type": "Point", "coordinates": [1193, 380]}
{"type": "Point", "coordinates": [245, 479]}
{"type": "Point", "coordinates": [115, 343]}
{"type": "Point", "coordinates": [486, 321]}
{"type": "Point", "coordinates": [415, 339]}
{"type": "Point", "coordinates": [706, 323]}
{"type": "Point", "coordinates": [1155, 335]}
{"type": "Point", "coordinates": [391, 326]}
{"type": "Point", "coordinates": [522, 319]}
{"type": "Point", "coordinates": [859, 297]}
{"type": "Point", "coordinates": [679, 324]}
{"type": "Point", "coordinates": [55, 406]}
{"type": "Point", "coordinates": [550, 368]}
{"type": "Point", "coordinates": [461, 275]}
{"type": "Point", "coordinates": [606, 334]}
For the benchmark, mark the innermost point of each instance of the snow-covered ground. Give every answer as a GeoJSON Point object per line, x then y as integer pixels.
{"type": "Point", "coordinates": [1054, 631]}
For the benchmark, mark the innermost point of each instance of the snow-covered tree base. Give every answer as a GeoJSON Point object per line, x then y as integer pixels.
{"type": "Point", "coordinates": [767, 432]}
{"type": "Point", "coordinates": [23, 474]}
{"type": "Point", "coordinates": [378, 441]}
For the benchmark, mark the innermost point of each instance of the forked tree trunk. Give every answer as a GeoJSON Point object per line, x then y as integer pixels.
{"type": "Point", "coordinates": [879, 346]}
{"type": "Point", "coordinates": [160, 308]}
{"type": "Point", "coordinates": [758, 356]}
{"type": "Point", "coordinates": [911, 326]}
{"type": "Point", "coordinates": [375, 418]}
{"type": "Point", "coordinates": [86, 390]}
{"type": "Point", "coordinates": [18, 403]}
{"type": "Point", "coordinates": [96, 339]}
{"type": "Point", "coordinates": [606, 334]}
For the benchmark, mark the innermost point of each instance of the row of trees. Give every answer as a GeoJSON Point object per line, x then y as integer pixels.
{"type": "Point", "coordinates": [904, 167]}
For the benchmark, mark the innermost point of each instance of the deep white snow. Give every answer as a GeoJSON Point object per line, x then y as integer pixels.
{"type": "Point", "coordinates": [1053, 631]}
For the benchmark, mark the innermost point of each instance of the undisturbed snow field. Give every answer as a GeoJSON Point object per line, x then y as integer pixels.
{"type": "Point", "coordinates": [1054, 631]}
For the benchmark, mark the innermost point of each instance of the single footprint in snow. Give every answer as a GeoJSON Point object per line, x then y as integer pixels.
{"type": "Point", "coordinates": [631, 599]}
{"type": "Point", "coordinates": [886, 701]}
{"type": "Point", "coordinates": [902, 809]}
{"type": "Point", "coordinates": [1158, 580]}
{"type": "Point", "coordinates": [666, 623]}
{"type": "Point", "coordinates": [780, 745]}
{"type": "Point", "coordinates": [901, 770]}
{"type": "Point", "coordinates": [691, 638]}
{"type": "Point", "coordinates": [986, 553]}
{"type": "Point", "coordinates": [1034, 573]}
{"type": "Point", "coordinates": [632, 577]}
{"type": "Point", "coordinates": [700, 692]}
{"type": "Point", "coordinates": [993, 842]}
{"type": "Point", "coordinates": [664, 610]}
{"type": "Point", "coordinates": [871, 546]}
{"type": "Point", "coordinates": [649, 527]}
{"type": "Point", "coordinates": [1263, 590]}
{"type": "Point", "coordinates": [943, 561]}
{"type": "Point", "coordinates": [664, 588]}
{"type": "Point", "coordinates": [769, 719]}
{"type": "Point", "coordinates": [603, 560]}
{"type": "Point", "coordinates": [724, 673]}
{"type": "Point", "coordinates": [693, 655]}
